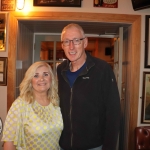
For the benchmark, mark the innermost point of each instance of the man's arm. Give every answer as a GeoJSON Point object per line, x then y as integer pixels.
{"type": "Point", "coordinates": [113, 110]}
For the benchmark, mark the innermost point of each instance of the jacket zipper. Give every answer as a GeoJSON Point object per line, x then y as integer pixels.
{"type": "Point", "coordinates": [71, 108]}
{"type": "Point", "coordinates": [71, 113]}
{"type": "Point", "coordinates": [70, 117]}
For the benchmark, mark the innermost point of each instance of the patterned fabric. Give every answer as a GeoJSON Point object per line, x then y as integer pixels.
{"type": "Point", "coordinates": [32, 126]}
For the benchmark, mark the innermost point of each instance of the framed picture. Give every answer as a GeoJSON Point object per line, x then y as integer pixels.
{"type": "Point", "coordinates": [3, 71]}
{"type": "Point", "coordinates": [1, 126]}
{"type": "Point", "coordinates": [146, 98]}
{"type": "Point", "coordinates": [2, 40]}
{"type": "Point", "coordinates": [57, 3]}
{"type": "Point", "coordinates": [105, 3]}
{"type": "Point", "coordinates": [8, 5]}
{"type": "Point", "coordinates": [147, 41]}
{"type": "Point", "coordinates": [3, 31]}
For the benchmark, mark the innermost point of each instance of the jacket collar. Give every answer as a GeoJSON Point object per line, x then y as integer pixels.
{"type": "Point", "coordinates": [89, 63]}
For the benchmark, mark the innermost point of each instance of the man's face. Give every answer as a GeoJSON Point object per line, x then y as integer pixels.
{"type": "Point", "coordinates": [74, 52]}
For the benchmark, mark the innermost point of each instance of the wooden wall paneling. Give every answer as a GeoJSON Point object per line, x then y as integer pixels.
{"type": "Point", "coordinates": [18, 58]}
{"type": "Point", "coordinates": [134, 59]}
{"type": "Point", "coordinates": [24, 53]}
{"type": "Point", "coordinates": [127, 99]}
{"type": "Point", "coordinates": [134, 80]}
{"type": "Point", "coordinates": [124, 95]}
{"type": "Point", "coordinates": [12, 44]}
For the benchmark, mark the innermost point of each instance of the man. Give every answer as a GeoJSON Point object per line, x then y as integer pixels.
{"type": "Point", "coordinates": [89, 97]}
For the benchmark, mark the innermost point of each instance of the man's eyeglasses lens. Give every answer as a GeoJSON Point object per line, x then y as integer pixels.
{"type": "Point", "coordinates": [75, 41]}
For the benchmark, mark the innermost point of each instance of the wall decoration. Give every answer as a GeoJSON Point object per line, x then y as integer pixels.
{"type": "Point", "coordinates": [1, 126]}
{"type": "Point", "coordinates": [8, 5]}
{"type": "Point", "coordinates": [145, 118]}
{"type": "Point", "coordinates": [3, 71]}
{"type": "Point", "coordinates": [57, 3]}
{"type": "Point", "coordinates": [147, 41]}
{"type": "Point", "coordinates": [106, 3]}
{"type": "Point", "coordinates": [3, 31]}
{"type": "Point", "coordinates": [2, 40]}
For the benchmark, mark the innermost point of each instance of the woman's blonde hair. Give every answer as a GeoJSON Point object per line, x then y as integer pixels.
{"type": "Point", "coordinates": [26, 91]}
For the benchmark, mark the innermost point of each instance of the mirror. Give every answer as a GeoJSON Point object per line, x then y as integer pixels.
{"type": "Point", "coordinates": [3, 18]}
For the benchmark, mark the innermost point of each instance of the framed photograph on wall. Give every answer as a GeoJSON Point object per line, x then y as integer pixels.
{"type": "Point", "coordinates": [147, 41]}
{"type": "Point", "coordinates": [57, 3]}
{"type": "Point", "coordinates": [8, 5]}
{"type": "Point", "coordinates": [2, 40]}
{"type": "Point", "coordinates": [105, 3]}
{"type": "Point", "coordinates": [3, 71]}
{"type": "Point", "coordinates": [1, 126]}
{"type": "Point", "coordinates": [145, 118]}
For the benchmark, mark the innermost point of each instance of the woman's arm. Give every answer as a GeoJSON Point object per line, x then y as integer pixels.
{"type": "Point", "coordinates": [9, 145]}
{"type": "Point", "coordinates": [11, 126]}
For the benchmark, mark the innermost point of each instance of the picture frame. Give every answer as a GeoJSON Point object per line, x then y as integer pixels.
{"type": "Point", "coordinates": [57, 3]}
{"type": "Point", "coordinates": [147, 41]}
{"type": "Point", "coordinates": [1, 126]}
{"type": "Point", "coordinates": [145, 114]}
{"type": "Point", "coordinates": [8, 5]}
{"type": "Point", "coordinates": [106, 3]}
{"type": "Point", "coordinates": [3, 31]}
{"type": "Point", "coordinates": [3, 71]}
{"type": "Point", "coordinates": [2, 40]}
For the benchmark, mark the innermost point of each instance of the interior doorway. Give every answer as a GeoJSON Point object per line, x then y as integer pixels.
{"type": "Point", "coordinates": [47, 48]}
{"type": "Point", "coordinates": [26, 33]}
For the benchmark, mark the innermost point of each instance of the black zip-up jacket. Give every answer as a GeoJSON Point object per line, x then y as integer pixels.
{"type": "Point", "coordinates": [91, 108]}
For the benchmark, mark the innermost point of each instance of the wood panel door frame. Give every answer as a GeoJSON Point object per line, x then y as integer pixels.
{"type": "Point", "coordinates": [134, 48]}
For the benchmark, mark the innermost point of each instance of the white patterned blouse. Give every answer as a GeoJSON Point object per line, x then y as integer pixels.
{"type": "Point", "coordinates": [32, 126]}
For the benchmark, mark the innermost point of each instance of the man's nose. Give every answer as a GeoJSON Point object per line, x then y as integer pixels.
{"type": "Point", "coordinates": [71, 44]}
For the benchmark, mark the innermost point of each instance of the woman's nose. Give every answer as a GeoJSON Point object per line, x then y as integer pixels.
{"type": "Point", "coordinates": [42, 78]}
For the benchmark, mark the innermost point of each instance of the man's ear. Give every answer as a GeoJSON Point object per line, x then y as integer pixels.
{"type": "Point", "coordinates": [85, 42]}
{"type": "Point", "coordinates": [62, 46]}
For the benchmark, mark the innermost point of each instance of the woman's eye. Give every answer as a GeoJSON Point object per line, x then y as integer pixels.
{"type": "Point", "coordinates": [35, 76]}
{"type": "Point", "coordinates": [46, 74]}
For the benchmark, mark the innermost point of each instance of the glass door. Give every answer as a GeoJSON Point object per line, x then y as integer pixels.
{"type": "Point", "coordinates": [48, 48]}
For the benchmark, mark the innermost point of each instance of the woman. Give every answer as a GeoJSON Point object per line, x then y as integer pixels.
{"type": "Point", "coordinates": [34, 120]}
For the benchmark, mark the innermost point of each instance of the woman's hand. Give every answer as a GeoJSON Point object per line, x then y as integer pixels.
{"type": "Point", "coordinates": [9, 145]}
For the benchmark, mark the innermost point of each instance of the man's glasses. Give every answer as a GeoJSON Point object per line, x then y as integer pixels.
{"type": "Point", "coordinates": [74, 41]}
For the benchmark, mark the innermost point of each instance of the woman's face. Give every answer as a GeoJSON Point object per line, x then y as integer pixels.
{"type": "Point", "coordinates": [42, 80]}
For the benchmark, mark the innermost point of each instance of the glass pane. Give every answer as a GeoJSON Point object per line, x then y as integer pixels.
{"type": "Point", "coordinates": [51, 64]}
{"type": "Point", "coordinates": [54, 66]}
{"type": "Point", "coordinates": [47, 49]}
{"type": "Point", "coordinates": [60, 55]}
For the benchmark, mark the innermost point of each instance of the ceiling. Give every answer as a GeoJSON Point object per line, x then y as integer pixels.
{"type": "Point", "coordinates": [89, 27]}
